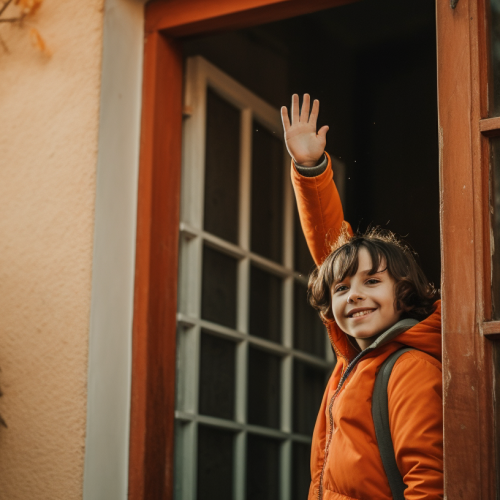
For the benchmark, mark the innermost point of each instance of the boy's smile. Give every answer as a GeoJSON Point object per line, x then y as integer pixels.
{"type": "Point", "coordinates": [359, 312]}
{"type": "Point", "coordinates": [364, 305]}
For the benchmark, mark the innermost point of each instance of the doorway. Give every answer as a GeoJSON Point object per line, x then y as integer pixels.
{"type": "Point", "coordinates": [372, 65]}
{"type": "Point", "coordinates": [377, 86]}
{"type": "Point", "coordinates": [465, 126]}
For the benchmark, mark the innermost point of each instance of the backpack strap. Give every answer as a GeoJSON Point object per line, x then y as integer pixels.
{"type": "Point", "coordinates": [380, 413]}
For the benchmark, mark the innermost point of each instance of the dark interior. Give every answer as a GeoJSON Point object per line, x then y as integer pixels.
{"type": "Point", "coordinates": [372, 65]}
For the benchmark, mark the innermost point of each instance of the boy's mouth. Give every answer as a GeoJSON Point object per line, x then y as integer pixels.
{"type": "Point", "coordinates": [358, 313]}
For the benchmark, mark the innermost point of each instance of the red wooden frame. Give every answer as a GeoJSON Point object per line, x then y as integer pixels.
{"type": "Point", "coordinates": [155, 300]}
{"type": "Point", "coordinates": [464, 127]}
{"type": "Point", "coordinates": [179, 18]}
{"type": "Point", "coordinates": [469, 427]}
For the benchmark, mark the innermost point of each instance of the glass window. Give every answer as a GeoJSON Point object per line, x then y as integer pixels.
{"type": "Point", "coordinates": [495, 166]}
{"type": "Point", "coordinates": [222, 169]}
{"type": "Point", "coordinates": [217, 376]}
{"type": "Point", "coordinates": [309, 383]}
{"type": "Point", "coordinates": [301, 466]}
{"type": "Point", "coordinates": [218, 294]}
{"type": "Point", "coordinates": [265, 304]}
{"type": "Point", "coordinates": [308, 329]}
{"type": "Point", "coordinates": [495, 55]}
{"type": "Point", "coordinates": [215, 463]}
{"type": "Point", "coordinates": [304, 263]}
{"type": "Point", "coordinates": [249, 382]}
{"type": "Point", "coordinates": [263, 469]}
{"type": "Point", "coordinates": [264, 381]}
{"type": "Point", "coordinates": [267, 193]}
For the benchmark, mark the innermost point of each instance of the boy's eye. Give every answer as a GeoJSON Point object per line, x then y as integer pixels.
{"type": "Point", "coordinates": [372, 281]}
{"type": "Point", "coordinates": [341, 288]}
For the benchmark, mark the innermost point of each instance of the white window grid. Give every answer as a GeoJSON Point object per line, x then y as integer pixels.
{"type": "Point", "coordinates": [200, 74]}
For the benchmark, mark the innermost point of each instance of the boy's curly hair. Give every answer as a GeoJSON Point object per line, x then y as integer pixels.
{"type": "Point", "coordinates": [414, 294]}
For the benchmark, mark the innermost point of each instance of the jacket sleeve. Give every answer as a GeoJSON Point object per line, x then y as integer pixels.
{"type": "Point", "coordinates": [416, 421]}
{"type": "Point", "coordinates": [320, 211]}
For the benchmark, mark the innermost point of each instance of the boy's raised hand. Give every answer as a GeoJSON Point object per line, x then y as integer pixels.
{"type": "Point", "coordinates": [304, 145]}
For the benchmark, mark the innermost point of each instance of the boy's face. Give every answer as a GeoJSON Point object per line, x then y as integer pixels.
{"type": "Point", "coordinates": [363, 305]}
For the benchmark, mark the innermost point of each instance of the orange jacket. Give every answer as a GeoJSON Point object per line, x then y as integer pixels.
{"type": "Point", "coordinates": [345, 460]}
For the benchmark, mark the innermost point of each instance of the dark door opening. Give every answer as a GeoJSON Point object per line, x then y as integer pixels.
{"type": "Point", "coordinates": [372, 65]}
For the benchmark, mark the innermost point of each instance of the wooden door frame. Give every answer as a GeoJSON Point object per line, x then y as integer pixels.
{"type": "Point", "coordinates": [469, 427]}
{"type": "Point", "coordinates": [464, 153]}
{"type": "Point", "coordinates": [155, 295]}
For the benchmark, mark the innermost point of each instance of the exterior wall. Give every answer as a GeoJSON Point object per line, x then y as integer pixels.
{"type": "Point", "coordinates": [49, 109]}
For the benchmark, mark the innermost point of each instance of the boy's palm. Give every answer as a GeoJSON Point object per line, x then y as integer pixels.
{"type": "Point", "coordinates": [304, 145]}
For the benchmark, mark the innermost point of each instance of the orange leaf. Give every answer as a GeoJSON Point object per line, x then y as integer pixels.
{"type": "Point", "coordinates": [39, 42]}
{"type": "Point", "coordinates": [29, 6]}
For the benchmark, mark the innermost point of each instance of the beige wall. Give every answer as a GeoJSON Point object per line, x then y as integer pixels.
{"type": "Point", "coordinates": [48, 149]}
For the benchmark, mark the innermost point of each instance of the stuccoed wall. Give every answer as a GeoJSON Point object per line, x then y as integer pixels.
{"type": "Point", "coordinates": [49, 109]}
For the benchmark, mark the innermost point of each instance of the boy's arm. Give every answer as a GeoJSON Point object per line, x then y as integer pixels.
{"type": "Point", "coordinates": [318, 201]}
{"type": "Point", "coordinates": [320, 209]}
{"type": "Point", "coordinates": [416, 421]}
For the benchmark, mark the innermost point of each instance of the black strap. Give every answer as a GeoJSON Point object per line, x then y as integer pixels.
{"type": "Point", "coordinates": [380, 413]}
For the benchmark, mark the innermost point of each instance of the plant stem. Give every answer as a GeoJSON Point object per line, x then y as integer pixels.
{"type": "Point", "coordinates": [4, 6]}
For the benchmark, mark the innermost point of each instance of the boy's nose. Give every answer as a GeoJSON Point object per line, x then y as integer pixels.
{"type": "Point", "coordinates": [354, 297]}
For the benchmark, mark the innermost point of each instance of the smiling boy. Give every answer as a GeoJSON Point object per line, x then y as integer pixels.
{"type": "Point", "coordinates": [374, 299]}
{"type": "Point", "coordinates": [364, 304]}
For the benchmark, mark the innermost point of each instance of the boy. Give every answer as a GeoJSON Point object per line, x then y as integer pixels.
{"type": "Point", "coordinates": [374, 299]}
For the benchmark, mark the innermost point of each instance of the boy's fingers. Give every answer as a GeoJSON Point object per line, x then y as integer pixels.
{"type": "Point", "coordinates": [304, 114]}
{"type": "Point", "coordinates": [295, 108]}
{"type": "Point", "coordinates": [314, 113]}
{"type": "Point", "coordinates": [322, 131]}
{"type": "Point", "coordinates": [284, 118]}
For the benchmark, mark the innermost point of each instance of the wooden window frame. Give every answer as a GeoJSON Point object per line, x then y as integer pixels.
{"type": "Point", "coordinates": [464, 128]}
{"type": "Point", "coordinates": [465, 225]}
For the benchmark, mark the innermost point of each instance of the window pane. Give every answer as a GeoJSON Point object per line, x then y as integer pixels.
{"type": "Point", "coordinates": [495, 149]}
{"type": "Point", "coordinates": [217, 376]}
{"type": "Point", "coordinates": [301, 475]}
{"type": "Point", "coordinates": [222, 172]}
{"type": "Point", "coordinates": [218, 291]}
{"type": "Point", "coordinates": [495, 54]}
{"type": "Point", "coordinates": [263, 466]}
{"type": "Point", "coordinates": [309, 333]}
{"type": "Point", "coordinates": [304, 263]}
{"type": "Point", "coordinates": [267, 193]}
{"type": "Point", "coordinates": [264, 381]}
{"type": "Point", "coordinates": [215, 463]}
{"type": "Point", "coordinates": [496, 401]}
{"type": "Point", "coordinates": [265, 304]}
{"type": "Point", "coordinates": [308, 386]}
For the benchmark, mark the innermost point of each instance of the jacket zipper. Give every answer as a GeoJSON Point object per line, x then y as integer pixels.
{"type": "Point", "coordinates": [344, 375]}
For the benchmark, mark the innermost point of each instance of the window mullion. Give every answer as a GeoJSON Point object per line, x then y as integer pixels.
{"type": "Point", "coordinates": [288, 213]}
{"type": "Point", "coordinates": [189, 461]}
{"type": "Point", "coordinates": [287, 334]}
{"type": "Point", "coordinates": [243, 304]}
{"type": "Point", "coordinates": [193, 158]}
{"type": "Point", "coordinates": [245, 177]}
{"type": "Point", "coordinates": [240, 465]}
{"type": "Point", "coordinates": [191, 271]}
{"type": "Point", "coordinates": [286, 393]}
{"type": "Point", "coordinates": [286, 470]}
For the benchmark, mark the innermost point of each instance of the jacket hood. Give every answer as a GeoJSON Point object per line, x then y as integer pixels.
{"type": "Point", "coordinates": [424, 336]}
